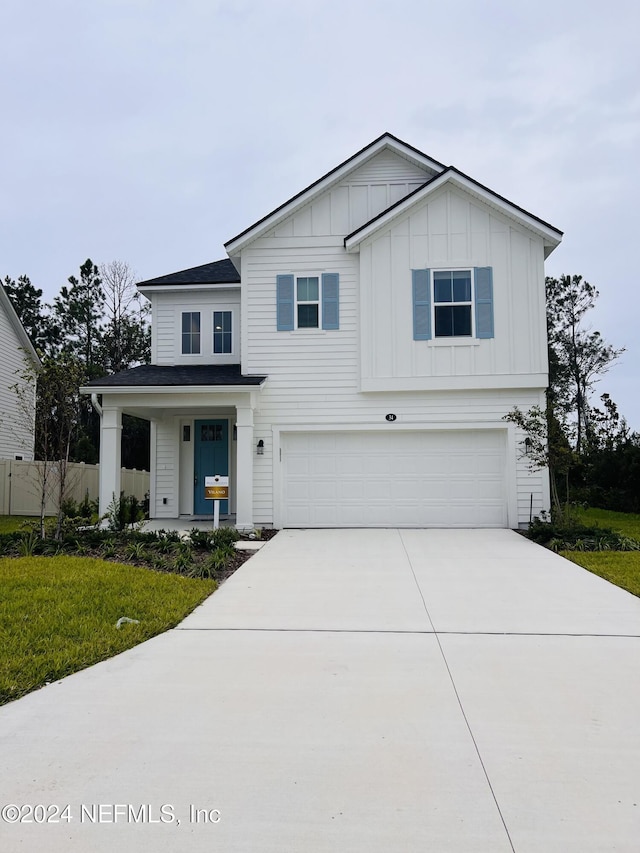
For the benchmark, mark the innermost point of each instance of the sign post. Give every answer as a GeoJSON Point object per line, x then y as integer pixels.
{"type": "Point", "coordinates": [216, 488]}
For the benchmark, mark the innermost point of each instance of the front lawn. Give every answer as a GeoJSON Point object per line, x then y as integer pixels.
{"type": "Point", "coordinates": [11, 523]}
{"type": "Point", "coordinates": [58, 614]}
{"type": "Point", "coordinates": [623, 522]}
{"type": "Point", "coordinates": [619, 567]}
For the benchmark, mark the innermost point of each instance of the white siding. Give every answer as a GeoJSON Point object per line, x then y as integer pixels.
{"type": "Point", "coordinates": [451, 230]}
{"type": "Point", "coordinates": [167, 456]}
{"type": "Point", "coordinates": [167, 310]}
{"type": "Point", "coordinates": [315, 377]}
{"type": "Point", "coordinates": [380, 182]}
{"type": "Point", "coordinates": [16, 424]}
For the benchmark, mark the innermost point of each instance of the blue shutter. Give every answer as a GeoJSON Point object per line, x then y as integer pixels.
{"type": "Point", "coordinates": [484, 302]}
{"type": "Point", "coordinates": [421, 281]}
{"type": "Point", "coordinates": [330, 300]}
{"type": "Point", "coordinates": [284, 290]}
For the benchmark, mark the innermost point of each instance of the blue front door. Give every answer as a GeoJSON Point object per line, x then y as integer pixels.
{"type": "Point", "coordinates": [211, 450]}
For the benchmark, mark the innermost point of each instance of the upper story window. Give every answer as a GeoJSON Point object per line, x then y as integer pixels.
{"type": "Point", "coordinates": [190, 332]}
{"type": "Point", "coordinates": [452, 303]}
{"type": "Point", "coordinates": [222, 332]}
{"type": "Point", "coordinates": [308, 302]}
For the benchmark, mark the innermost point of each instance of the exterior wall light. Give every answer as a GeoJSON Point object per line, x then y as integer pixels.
{"type": "Point", "coordinates": [260, 448]}
{"type": "Point", "coordinates": [527, 446]}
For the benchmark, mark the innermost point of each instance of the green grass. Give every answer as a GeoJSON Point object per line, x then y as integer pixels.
{"type": "Point", "coordinates": [10, 523]}
{"type": "Point", "coordinates": [58, 614]}
{"type": "Point", "coordinates": [619, 567]}
{"type": "Point", "coordinates": [623, 522]}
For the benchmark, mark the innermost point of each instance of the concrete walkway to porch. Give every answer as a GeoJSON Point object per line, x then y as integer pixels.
{"type": "Point", "coordinates": [357, 690]}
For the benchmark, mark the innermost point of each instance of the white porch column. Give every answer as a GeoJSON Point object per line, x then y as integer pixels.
{"type": "Point", "coordinates": [110, 456]}
{"type": "Point", "coordinates": [244, 468]}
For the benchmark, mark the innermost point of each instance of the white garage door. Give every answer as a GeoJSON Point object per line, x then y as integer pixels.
{"type": "Point", "coordinates": [404, 479]}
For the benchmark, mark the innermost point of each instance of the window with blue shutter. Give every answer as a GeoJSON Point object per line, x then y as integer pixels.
{"type": "Point", "coordinates": [421, 283]}
{"type": "Point", "coordinates": [285, 302]}
{"type": "Point", "coordinates": [308, 302]}
{"type": "Point", "coordinates": [449, 303]}
{"type": "Point", "coordinates": [330, 300]}
{"type": "Point", "coordinates": [484, 302]}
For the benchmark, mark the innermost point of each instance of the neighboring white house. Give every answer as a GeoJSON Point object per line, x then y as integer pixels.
{"type": "Point", "coordinates": [17, 422]}
{"type": "Point", "coordinates": [351, 362]}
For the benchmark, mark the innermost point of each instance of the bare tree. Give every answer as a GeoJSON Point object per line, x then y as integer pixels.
{"type": "Point", "coordinates": [126, 339]}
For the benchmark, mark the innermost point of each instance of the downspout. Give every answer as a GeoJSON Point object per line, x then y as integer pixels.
{"type": "Point", "coordinates": [96, 405]}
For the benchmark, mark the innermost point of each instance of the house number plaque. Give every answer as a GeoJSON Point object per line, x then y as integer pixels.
{"type": "Point", "coordinates": [391, 417]}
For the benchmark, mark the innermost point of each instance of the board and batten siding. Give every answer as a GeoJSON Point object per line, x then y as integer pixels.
{"type": "Point", "coordinates": [367, 191]}
{"type": "Point", "coordinates": [16, 425]}
{"type": "Point", "coordinates": [167, 308]}
{"type": "Point", "coordinates": [450, 231]}
{"type": "Point", "coordinates": [314, 375]}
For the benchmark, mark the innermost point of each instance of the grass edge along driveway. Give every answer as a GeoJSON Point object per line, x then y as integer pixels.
{"type": "Point", "coordinates": [621, 568]}
{"type": "Point", "coordinates": [58, 614]}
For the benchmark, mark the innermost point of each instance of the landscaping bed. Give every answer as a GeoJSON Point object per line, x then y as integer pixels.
{"type": "Point", "coordinates": [202, 554]}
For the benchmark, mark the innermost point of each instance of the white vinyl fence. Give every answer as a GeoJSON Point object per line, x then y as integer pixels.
{"type": "Point", "coordinates": [21, 485]}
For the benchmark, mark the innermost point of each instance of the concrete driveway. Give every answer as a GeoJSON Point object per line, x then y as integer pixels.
{"type": "Point", "coordinates": [351, 690]}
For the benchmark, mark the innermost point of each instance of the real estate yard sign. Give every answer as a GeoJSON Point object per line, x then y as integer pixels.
{"type": "Point", "coordinates": [216, 488]}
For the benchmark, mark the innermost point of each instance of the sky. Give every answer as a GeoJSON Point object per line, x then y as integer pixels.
{"type": "Point", "coordinates": [152, 131]}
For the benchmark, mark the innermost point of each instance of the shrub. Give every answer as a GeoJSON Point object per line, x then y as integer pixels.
{"type": "Point", "coordinates": [124, 511]}
{"type": "Point", "coordinates": [567, 534]}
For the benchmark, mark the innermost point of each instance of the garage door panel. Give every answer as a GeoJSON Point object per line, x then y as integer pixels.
{"type": "Point", "coordinates": [367, 479]}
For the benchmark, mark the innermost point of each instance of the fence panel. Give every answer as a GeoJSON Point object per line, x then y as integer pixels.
{"type": "Point", "coordinates": [21, 485]}
{"type": "Point", "coordinates": [5, 483]}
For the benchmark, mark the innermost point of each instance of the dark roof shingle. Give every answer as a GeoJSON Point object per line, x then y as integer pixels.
{"type": "Point", "coordinates": [217, 272]}
{"type": "Point", "coordinates": [181, 374]}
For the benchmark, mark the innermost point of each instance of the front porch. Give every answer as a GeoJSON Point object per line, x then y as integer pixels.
{"type": "Point", "coordinates": [201, 425]}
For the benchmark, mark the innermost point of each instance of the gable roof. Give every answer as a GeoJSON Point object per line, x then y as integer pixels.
{"type": "Point", "coordinates": [13, 318]}
{"type": "Point", "coordinates": [385, 141]}
{"type": "Point", "coordinates": [217, 272]}
{"type": "Point", "coordinates": [549, 233]}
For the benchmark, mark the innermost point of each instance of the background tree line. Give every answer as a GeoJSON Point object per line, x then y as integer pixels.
{"type": "Point", "coordinates": [97, 325]}
{"type": "Point", "coordinates": [592, 454]}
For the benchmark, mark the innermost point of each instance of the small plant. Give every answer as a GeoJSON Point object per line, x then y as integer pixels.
{"type": "Point", "coordinates": [159, 564]}
{"type": "Point", "coordinates": [224, 536]}
{"type": "Point", "coordinates": [28, 543]}
{"type": "Point", "coordinates": [108, 549]}
{"type": "Point", "coordinates": [212, 568]}
{"type": "Point", "coordinates": [200, 538]}
{"type": "Point", "coordinates": [184, 561]}
{"type": "Point", "coordinates": [135, 550]}
{"type": "Point", "coordinates": [124, 511]}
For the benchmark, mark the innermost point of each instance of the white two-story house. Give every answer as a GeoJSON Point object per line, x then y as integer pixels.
{"type": "Point", "coordinates": [351, 361]}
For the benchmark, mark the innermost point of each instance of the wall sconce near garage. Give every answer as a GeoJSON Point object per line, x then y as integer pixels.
{"type": "Point", "coordinates": [528, 444]}
{"type": "Point", "coordinates": [260, 448]}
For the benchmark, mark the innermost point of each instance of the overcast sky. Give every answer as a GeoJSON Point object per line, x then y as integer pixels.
{"type": "Point", "coordinates": [152, 131]}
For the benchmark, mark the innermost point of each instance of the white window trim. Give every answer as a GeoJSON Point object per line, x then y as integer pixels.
{"type": "Point", "coordinates": [233, 333]}
{"type": "Point", "coordinates": [297, 302]}
{"type": "Point", "coordinates": [180, 348]}
{"type": "Point", "coordinates": [453, 339]}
